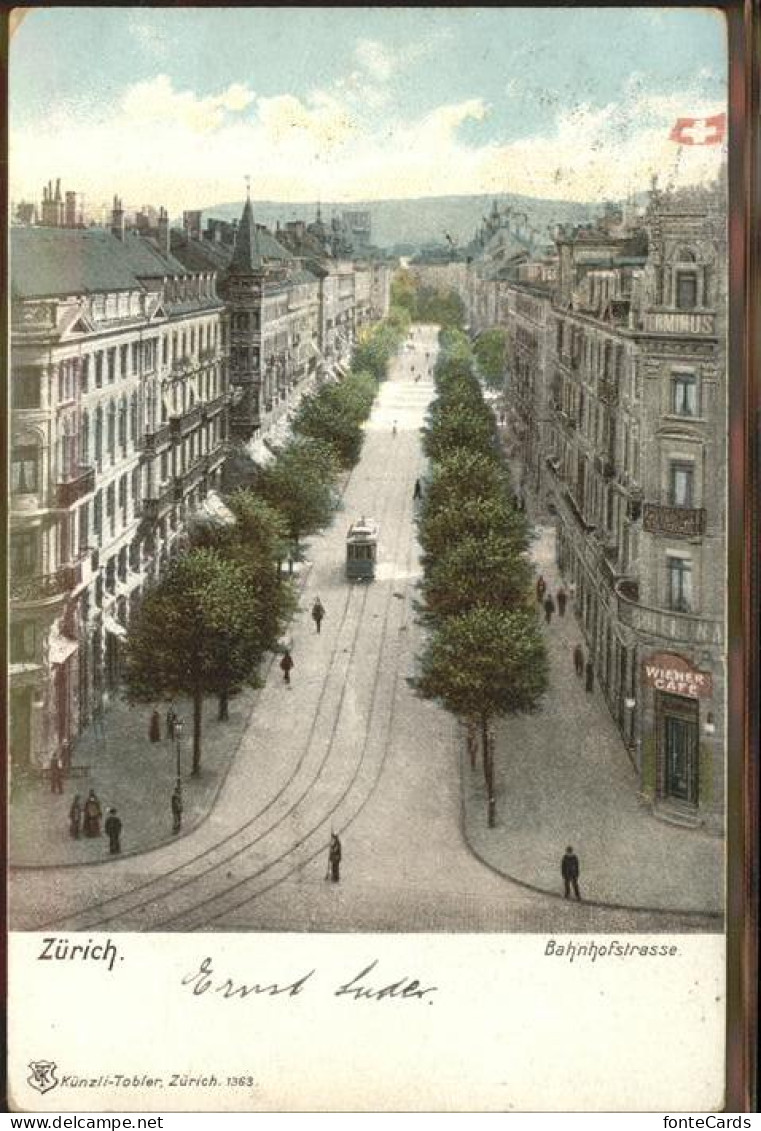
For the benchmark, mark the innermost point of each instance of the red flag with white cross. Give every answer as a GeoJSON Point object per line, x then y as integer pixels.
{"type": "Point", "coordinates": [699, 131]}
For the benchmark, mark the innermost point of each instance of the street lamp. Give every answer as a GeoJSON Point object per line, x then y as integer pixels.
{"type": "Point", "coordinates": [178, 747]}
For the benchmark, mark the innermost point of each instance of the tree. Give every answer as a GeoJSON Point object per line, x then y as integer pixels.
{"type": "Point", "coordinates": [468, 427]}
{"type": "Point", "coordinates": [198, 632]}
{"type": "Point", "coordinates": [491, 354]}
{"type": "Point", "coordinates": [477, 571]}
{"type": "Point", "coordinates": [462, 475]}
{"type": "Point", "coordinates": [404, 293]}
{"type": "Point", "coordinates": [482, 664]}
{"type": "Point", "coordinates": [299, 484]}
{"type": "Point", "coordinates": [335, 414]}
{"type": "Point", "coordinates": [444, 527]}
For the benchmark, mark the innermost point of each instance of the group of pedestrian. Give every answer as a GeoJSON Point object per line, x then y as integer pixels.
{"type": "Point", "coordinates": [84, 820]}
{"type": "Point", "coordinates": [546, 601]}
{"type": "Point", "coordinates": [171, 719]}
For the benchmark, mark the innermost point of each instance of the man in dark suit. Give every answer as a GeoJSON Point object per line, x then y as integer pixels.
{"type": "Point", "coordinates": [569, 870]}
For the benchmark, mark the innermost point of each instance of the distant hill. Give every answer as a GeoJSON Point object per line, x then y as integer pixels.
{"type": "Point", "coordinates": [423, 220]}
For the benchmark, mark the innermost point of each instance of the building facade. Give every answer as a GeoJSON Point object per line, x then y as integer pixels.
{"type": "Point", "coordinates": [617, 408]}
{"type": "Point", "coordinates": [118, 431]}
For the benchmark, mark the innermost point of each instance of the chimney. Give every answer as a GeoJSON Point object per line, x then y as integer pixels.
{"type": "Point", "coordinates": [164, 231]}
{"type": "Point", "coordinates": [58, 189]}
{"type": "Point", "coordinates": [117, 219]}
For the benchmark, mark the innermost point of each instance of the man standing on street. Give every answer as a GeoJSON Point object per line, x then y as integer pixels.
{"type": "Point", "coordinates": [56, 775]}
{"type": "Point", "coordinates": [589, 671]}
{"type": "Point", "coordinates": [562, 597]}
{"type": "Point", "coordinates": [549, 608]}
{"type": "Point", "coordinates": [334, 858]}
{"type": "Point", "coordinates": [113, 827]}
{"type": "Point", "coordinates": [176, 809]}
{"type": "Point", "coordinates": [286, 664]}
{"type": "Point", "coordinates": [318, 612]}
{"type": "Point", "coordinates": [569, 870]}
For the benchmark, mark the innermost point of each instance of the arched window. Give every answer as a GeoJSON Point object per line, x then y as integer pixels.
{"type": "Point", "coordinates": [684, 255]}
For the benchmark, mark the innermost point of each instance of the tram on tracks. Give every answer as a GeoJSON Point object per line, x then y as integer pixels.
{"type": "Point", "coordinates": [362, 549]}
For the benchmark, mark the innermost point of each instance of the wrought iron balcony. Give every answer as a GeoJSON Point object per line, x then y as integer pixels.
{"type": "Point", "coordinates": [42, 588]}
{"type": "Point", "coordinates": [185, 422]}
{"type": "Point", "coordinates": [72, 490]}
{"type": "Point", "coordinates": [211, 408]}
{"type": "Point", "coordinates": [678, 522]}
{"type": "Point", "coordinates": [156, 437]}
{"type": "Point", "coordinates": [668, 624]}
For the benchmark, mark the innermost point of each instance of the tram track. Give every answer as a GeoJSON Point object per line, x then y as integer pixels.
{"type": "Point", "coordinates": [157, 890]}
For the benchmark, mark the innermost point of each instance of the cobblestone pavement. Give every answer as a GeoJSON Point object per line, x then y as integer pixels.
{"type": "Point", "coordinates": [347, 746]}
{"type": "Point", "coordinates": [563, 777]}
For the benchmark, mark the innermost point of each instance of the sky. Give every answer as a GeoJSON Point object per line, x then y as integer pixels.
{"type": "Point", "coordinates": [176, 106]}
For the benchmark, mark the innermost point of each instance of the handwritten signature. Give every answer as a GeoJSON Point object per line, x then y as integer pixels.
{"type": "Point", "coordinates": [363, 986]}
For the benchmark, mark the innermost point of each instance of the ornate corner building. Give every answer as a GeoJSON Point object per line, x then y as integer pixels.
{"type": "Point", "coordinates": [616, 394]}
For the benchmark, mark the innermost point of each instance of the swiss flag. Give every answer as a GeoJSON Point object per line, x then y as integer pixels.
{"type": "Point", "coordinates": [699, 131]}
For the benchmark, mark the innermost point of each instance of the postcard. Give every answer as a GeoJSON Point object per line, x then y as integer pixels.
{"type": "Point", "coordinates": [370, 524]}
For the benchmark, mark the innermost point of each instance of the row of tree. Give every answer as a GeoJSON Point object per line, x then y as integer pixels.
{"type": "Point", "coordinates": [485, 655]}
{"type": "Point", "coordinates": [206, 625]}
{"type": "Point", "coordinates": [423, 303]}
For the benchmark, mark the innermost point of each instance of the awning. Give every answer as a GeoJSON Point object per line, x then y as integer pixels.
{"type": "Point", "coordinates": [114, 627]}
{"type": "Point", "coordinates": [60, 648]}
{"type": "Point", "coordinates": [214, 510]}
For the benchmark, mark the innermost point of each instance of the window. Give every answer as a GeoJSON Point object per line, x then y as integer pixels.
{"type": "Point", "coordinates": [681, 482]}
{"type": "Point", "coordinates": [123, 425]}
{"type": "Point", "coordinates": [123, 492]}
{"type": "Point", "coordinates": [686, 290]}
{"type": "Point", "coordinates": [84, 379]}
{"type": "Point", "coordinates": [99, 369]}
{"type": "Point", "coordinates": [135, 357]}
{"type": "Point", "coordinates": [124, 361]}
{"type": "Point", "coordinates": [26, 388]}
{"type": "Point", "coordinates": [684, 394]}
{"type": "Point", "coordinates": [84, 526]}
{"type": "Point", "coordinates": [98, 435]}
{"type": "Point", "coordinates": [25, 470]}
{"type": "Point", "coordinates": [23, 642]}
{"type": "Point", "coordinates": [97, 516]}
{"type": "Point", "coordinates": [23, 554]}
{"type": "Point", "coordinates": [111, 432]}
{"type": "Point", "coordinates": [165, 350]}
{"type": "Point", "coordinates": [111, 355]}
{"type": "Point", "coordinates": [84, 439]}
{"type": "Point", "coordinates": [679, 584]}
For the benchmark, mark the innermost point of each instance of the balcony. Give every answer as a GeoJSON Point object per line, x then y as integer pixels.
{"type": "Point", "coordinates": [674, 627]}
{"type": "Point", "coordinates": [207, 355]}
{"type": "Point", "coordinates": [157, 500]}
{"type": "Point", "coordinates": [75, 489]}
{"type": "Point", "coordinates": [211, 408]}
{"type": "Point", "coordinates": [686, 322]}
{"type": "Point", "coordinates": [182, 364]}
{"type": "Point", "coordinates": [577, 511]}
{"type": "Point", "coordinates": [677, 522]}
{"type": "Point", "coordinates": [183, 484]}
{"type": "Point", "coordinates": [42, 589]}
{"type": "Point", "coordinates": [156, 438]}
{"type": "Point", "coordinates": [185, 422]}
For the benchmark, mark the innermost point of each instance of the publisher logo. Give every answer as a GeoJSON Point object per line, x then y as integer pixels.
{"type": "Point", "coordinates": [43, 1077]}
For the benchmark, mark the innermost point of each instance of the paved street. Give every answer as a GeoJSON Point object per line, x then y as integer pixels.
{"type": "Point", "coordinates": [347, 747]}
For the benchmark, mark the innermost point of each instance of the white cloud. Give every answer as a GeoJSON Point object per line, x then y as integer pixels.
{"type": "Point", "coordinates": [156, 100]}
{"type": "Point", "coordinates": [181, 149]}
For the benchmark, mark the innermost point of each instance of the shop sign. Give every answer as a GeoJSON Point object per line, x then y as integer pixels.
{"type": "Point", "coordinates": [675, 675]}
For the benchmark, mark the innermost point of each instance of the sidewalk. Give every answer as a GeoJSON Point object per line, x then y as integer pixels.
{"type": "Point", "coordinates": [562, 776]}
{"type": "Point", "coordinates": [135, 776]}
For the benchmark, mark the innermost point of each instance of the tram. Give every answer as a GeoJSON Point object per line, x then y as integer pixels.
{"type": "Point", "coordinates": [362, 549]}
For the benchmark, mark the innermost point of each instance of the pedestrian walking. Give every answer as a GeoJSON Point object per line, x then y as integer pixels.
{"type": "Point", "coordinates": [75, 817]}
{"type": "Point", "coordinates": [92, 815]}
{"type": "Point", "coordinates": [286, 665]}
{"type": "Point", "coordinates": [549, 608]}
{"type": "Point", "coordinates": [113, 829]}
{"type": "Point", "coordinates": [171, 720]}
{"type": "Point", "coordinates": [154, 730]}
{"type": "Point", "coordinates": [177, 809]}
{"type": "Point", "coordinates": [541, 588]}
{"type": "Point", "coordinates": [393, 429]}
{"type": "Point", "coordinates": [318, 612]}
{"type": "Point", "coordinates": [334, 858]}
{"type": "Point", "coordinates": [562, 598]}
{"type": "Point", "coordinates": [56, 774]}
{"type": "Point", "coordinates": [97, 719]}
{"type": "Point", "coordinates": [590, 676]}
{"type": "Point", "coordinates": [569, 870]}
{"type": "Point", "coordinates": [418, 492]}
{"type": "Point", "coordinates": [578, 660]}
